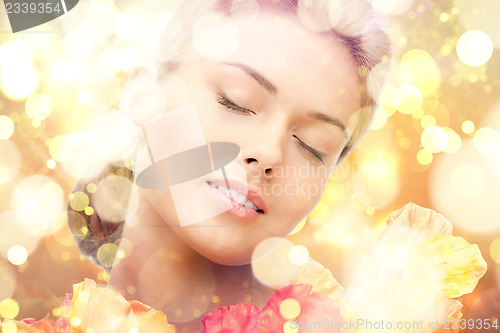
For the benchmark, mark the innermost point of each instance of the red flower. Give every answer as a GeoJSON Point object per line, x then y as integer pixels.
{"type": "Point", "coordinates": [242, 317]}
{"type": "Point", "coordinates": [292, 304]}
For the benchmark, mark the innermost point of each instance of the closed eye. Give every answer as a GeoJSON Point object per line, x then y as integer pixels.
{"type": "Point", "coordinates": [226, 102]}
{"type": "Point", "coordinates": [310, 149]}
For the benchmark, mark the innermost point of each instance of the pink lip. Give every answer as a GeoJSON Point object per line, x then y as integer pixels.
{"type": "Point", "coordinates": [232, 206]}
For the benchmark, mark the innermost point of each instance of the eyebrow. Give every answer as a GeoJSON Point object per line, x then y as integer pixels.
{"type": "Point", "coordinates": [328, 119]}
{"type": "Point", "coordinates": [261, 79]}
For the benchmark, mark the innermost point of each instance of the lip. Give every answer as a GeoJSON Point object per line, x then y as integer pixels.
{"type": "Point", "coordinates": [231, 206]}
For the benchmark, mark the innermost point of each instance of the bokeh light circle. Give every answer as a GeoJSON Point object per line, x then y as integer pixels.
{"type": "Point", "coordinates": [38, 202]}
{"type": "Point", "coordinates": [38, 106]}
{"type": "Point", "coordinates": [6, 127]}
{"type": "Point", "coordinates": [78, 43]}
{"type": "Point", "coordinates": [99, 89]}
{"type": "Point", "coordinates": [465, 188]}
{"type": "Point", "coordinates": [289, 308]}
{"type": "Point", "coordinates": [468, 180]}
{"type": "Point", "coordinates": [271, 264]}
{"type": "Point", "coordinates": [487, 141]}
{"type": "Point", "coordinates": [408, 99]}
{"type": "Point", "coordinates": [417, 66]}
{"type": "Point", "coordinates": [474, 48]}
{"type": "Point", "coordinates": [434, 139]}
{"type": "Point", "coordinates": [9, 308]}
{"type": "Point", "coordinates": [112, 136]}
{"type": "Point", "coordinates": [19, 79]}
{"type": "Point", "coordinates": [17, 255]}
{"type": "Point", "coordinates": [298, 254]}
{"type": "Point", "coordinates": [495, 250]}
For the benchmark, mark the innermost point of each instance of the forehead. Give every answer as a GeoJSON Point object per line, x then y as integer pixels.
{"type": "Point", "coordinates": [303, 64]}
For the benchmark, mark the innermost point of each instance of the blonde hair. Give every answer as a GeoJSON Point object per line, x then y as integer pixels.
{"type": "Point", "coordinates": [353, 22]}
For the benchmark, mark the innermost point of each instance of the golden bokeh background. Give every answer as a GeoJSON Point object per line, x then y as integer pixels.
{"type": "Point", "coordinates": [435, 140]}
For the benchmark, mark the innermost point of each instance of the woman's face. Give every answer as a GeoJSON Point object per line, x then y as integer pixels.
{"type": "Point", "coordinates": [284, 97]}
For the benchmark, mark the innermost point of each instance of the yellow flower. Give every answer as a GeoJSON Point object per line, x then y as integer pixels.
{"type": "Point", "coordinates": [101, 310]}
{"type": "Point", "coordinates": [447, 264]}
{"type": "Point", "coordinates": [320, 278]}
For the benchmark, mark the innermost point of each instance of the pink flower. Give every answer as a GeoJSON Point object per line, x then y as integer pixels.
{"type": "Point", "coordinates": [292, 305]}
{"type": "Point", "coordinates": [242, 317]}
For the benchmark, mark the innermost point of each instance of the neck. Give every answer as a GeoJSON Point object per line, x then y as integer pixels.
{"type": "Point", "coordinates": [164, 273]}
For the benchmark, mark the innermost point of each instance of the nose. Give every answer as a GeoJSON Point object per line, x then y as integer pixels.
{"type": "Point", "coordinates": [264, 154]}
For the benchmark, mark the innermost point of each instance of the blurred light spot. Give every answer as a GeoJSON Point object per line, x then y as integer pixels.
{"type": "Point", "coordinates": [17, 255]}
{"type": "Point", "coordinates": [6, 127]}
{"type": "Point", "coordinates": [75, 321]}
{"type": "Point", "coordinates": [298, 227]}
{"type": "Point", "coordinates": [148, 99]}
{"type": "Point", "coordinates": [126, 26]}
{"type": "Point", "coordinates": [99, 89]}
{"type": "Point", "coordinates": [157, 25]}
{"type": "Point", "coordinates": [495, 250]}
{"type": "Point", "coordinates": [78, 43]}
{"type": "Point", "coordinates": [91, 187]}
{"type": "Point", "coordinates": [290, 308]}
{"type": "Point", "coordinates": [380, 119]}
{"type": "Point", "coordinates": [270, 262]}
{"type": "Point", "coordinates": [16, 50]}
{"type": "Point", "coordinates": [487, 141]}
{"type": "Point", "coordinates": [298, 255]}
{"type": "Point", "coordinates": [78, 201]}
{"type": "Point", "coordinates": [444, 17]}
{"type": "Point", "coordinates": [9, 308]}
{"type": "Point", "coordinates": [417, 66]}
{"type": "Point", "coordinates": [468, 127]}
{"type": "Point", "coordinates": [89, 210]}
{"type": "Point", "coordinates": [51, 164]}
{"type": "Point", "coordinates": [467, 180]}
{"type": "Point", "coordinates": [474, 48]}
{"type": "Point", "coordinates": [61, 149]}
{"type": "Point", "coordinates": [408, 99]}
{"type": "Point", "coordinates": [290, 326]}
{"type": "Point", "coordinates": [65, 70]}
{"type": "Point", "coordinates": [424, 157]}
{"type": "Point", "coordinates": [454, 142]}
{"type": "Point", "coordinates": [106, 254]}
{"type": "Point", "coordinates": [427, 121]}
{"type": "Point", "coordinates": [116, 198]}
{"type": "Point", "coordinates": [434, 139]}
{"type": "Point", "coordinates": [215, 36]}
{"type": "Point", "coordinates": [392, 7]}
{"type": "Point", "coordinates": [126, 247]}
{"type": "Point", "coordinates": [112, 136]}
{"type": "Point", "coordinates": [38, 203]}
{"type": "Point", "coordinates": [38, 106]}
{"type": "Point", "coordinates": [18, 79]}
{"type": "Point", "coordinates": [9, 326]}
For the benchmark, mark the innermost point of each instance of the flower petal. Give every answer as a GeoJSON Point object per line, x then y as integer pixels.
{"type": "Point", "coordinates": [320, 278]}
{"type": "Point", "coordinates": [447, 264]}
{"type": "Point", "coordinates": [242, 317]}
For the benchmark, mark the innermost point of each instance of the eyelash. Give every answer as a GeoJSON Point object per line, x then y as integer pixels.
{"type": "Point", "coordinates": [225, 102]}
